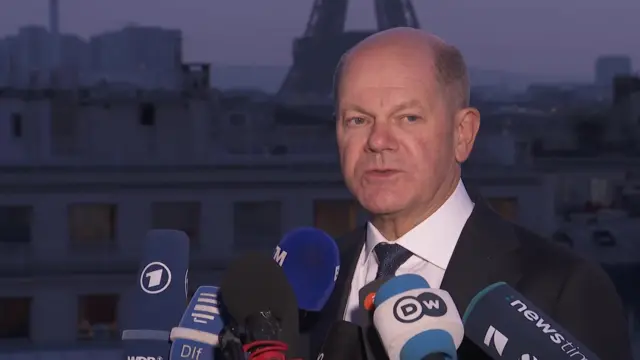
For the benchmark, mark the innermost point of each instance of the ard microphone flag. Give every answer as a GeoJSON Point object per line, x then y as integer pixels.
{"type": "Point", "coordinates": [159, 297]}
{"type": "Point", "coordinates": [415, 321]}
{"type": "Point", "coordinates": [505, 325]}
{"type": "Point", "coordinates": [311, 261]}
{"type": "Point", "coordinates": [197, 334]}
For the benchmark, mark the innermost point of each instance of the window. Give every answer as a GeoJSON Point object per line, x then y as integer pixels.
{"type": "Point", "coordinates": [147, 114]}
{"type": "Point", "coordinates": [184, 216]}
{"type": "Point", "coordinates": [16, 125]}
{"type": "Point", "coordinates": [97, 316]}
{"type": "Point", "coordinates": [335, 217]}
{"type": "Point", "coordinates": [15, 318]}
{"type": "Point", "coordinates": [91, 224]}
{"type": "Point", "coordinates": [507, 207]}
{"type": "Point", "coordinates": [15, 224]}
{"type": "Point", "coordinates": [257, 224]}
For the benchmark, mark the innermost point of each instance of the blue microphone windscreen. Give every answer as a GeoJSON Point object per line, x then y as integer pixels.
{"type": "Point", "coordinates": [311, 260]}
{"type": "Point", "coordinates": [399, 284]}
{"type": "Point", "coordinates": [160, 294]}
{"type": "Point", "coordinates": [197, 334]}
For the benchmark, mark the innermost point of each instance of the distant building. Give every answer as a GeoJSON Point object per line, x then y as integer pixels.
{"type": "Point", "coordinates": [610, 66]}
{"type": "Point", "coordinates": [143, 57]}
{"type": "Point", "coordinates": [146, 56]}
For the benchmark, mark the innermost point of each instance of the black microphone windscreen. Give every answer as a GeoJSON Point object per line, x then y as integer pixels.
{"type": "Point", "coordinates": [254, 284]}
{"type": "Point", "coordinates": [344, 342]}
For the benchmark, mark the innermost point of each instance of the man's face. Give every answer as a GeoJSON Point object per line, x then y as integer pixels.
{"type": "Point", "coordinates": [395, 133]}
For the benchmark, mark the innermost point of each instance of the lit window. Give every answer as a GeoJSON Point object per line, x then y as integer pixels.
{"type": "Point", "coordinates": [97, 317]}
{"type": "Point", "coordinates": [335, 217]}
{"type": "Point", "coordinates": [91, 224]}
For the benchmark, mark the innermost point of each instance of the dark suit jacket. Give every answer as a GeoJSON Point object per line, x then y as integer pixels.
{"type": "Point", "coordinates": [575, 293]}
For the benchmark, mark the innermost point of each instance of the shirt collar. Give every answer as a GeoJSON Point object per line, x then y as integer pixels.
{"type": "Point", "coordinates": [436, 237]}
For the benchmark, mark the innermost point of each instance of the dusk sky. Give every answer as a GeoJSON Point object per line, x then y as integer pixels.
{"type": "Point", "coordinates": [537, 37]}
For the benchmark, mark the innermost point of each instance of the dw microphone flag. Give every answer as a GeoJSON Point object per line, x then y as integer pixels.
{"type": "Point", "coordinates": [415, 321]}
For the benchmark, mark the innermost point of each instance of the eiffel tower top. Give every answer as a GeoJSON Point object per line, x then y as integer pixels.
{"type": "Point", "coordinates": [328, 17]}
{"type": "Point", "coordinates": [317, 52]}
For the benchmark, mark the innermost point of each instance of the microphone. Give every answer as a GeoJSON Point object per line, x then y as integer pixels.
{"type": "Point", "coordinates": [230, 345]}
{"type": "Point", "coordinates": [257, 296]}
{"type": "Point", "coordinates": [415, 321]}
{"type": "Point", "coordinates": [344, 342]}
{"type": "Point", "coordinates": [197, 334]}
{"type": "Point", "coordinates": [505, 325]}
{"type": "Point", "coordinates": [363, 315]}
{"type": "Point", "coordinates": [160, 295]}
{"type": "Point", "coordinates": [311, 261]}
{"type": "Point", "coordinates": [367, 293]}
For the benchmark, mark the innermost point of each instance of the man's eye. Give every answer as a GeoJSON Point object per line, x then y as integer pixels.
{"type": "Point", "coordinates": [411, 118]}
{"type": "Point", "coordinates": [355, 121]}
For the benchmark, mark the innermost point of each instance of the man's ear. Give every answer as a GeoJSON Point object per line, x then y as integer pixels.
{"type": "Point", "coordinates": [467, 122]}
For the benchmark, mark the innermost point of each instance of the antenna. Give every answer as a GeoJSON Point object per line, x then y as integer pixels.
{"type": "Point", "coordinates": [54, 28]}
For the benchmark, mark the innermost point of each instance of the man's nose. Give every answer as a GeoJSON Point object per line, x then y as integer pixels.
{"type": "Point", "coordinates": [381, 138]}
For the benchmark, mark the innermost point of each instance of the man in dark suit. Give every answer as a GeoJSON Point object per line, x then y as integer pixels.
{"type": "Point", "coordinates": [404, 126]}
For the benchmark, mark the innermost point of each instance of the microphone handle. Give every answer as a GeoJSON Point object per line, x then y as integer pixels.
{"type": "Point", "coordinates": [263, 337]}
{"type": "Point", "coordinates": [230, 345]}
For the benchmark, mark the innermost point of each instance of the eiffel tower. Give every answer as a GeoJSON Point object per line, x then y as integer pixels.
{"type": "Point", "coordinates": [317, 52]}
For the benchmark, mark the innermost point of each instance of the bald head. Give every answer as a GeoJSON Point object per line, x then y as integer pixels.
{"type": "Point", "coordinates": [443, 61]}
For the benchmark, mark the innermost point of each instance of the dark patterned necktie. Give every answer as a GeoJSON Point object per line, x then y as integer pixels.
{"type": "Point", "coordinates": [390, 258]}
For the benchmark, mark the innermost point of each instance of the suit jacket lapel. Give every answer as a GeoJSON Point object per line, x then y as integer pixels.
{"type": "Point", "coordinates": [486, 252]}
{"type": "Point", "coordinates": [348, 261]}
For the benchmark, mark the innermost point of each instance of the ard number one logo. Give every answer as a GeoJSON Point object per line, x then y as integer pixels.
{"type": "Point", "coordinates": [155, 278]}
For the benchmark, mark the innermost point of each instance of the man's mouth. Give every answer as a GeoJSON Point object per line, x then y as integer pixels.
{"type": "Point", "coordinates": [381, 173]}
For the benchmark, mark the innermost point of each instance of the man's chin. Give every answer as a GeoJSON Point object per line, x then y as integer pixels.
{"type": "Point", "coordinates": [383, 207]}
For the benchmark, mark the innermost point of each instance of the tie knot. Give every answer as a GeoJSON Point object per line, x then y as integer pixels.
{"type": "Point", "coordinates": [390, 258]}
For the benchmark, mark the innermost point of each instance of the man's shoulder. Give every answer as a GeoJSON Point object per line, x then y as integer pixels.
{"type": "Point", "coordinates": [541, 247]}
{"type": "Point", "coordinates": [576, 292]}
{"type": "Point", "coordinates": [543, 256]}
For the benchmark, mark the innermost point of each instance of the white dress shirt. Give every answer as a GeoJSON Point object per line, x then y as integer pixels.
{"type": "Point", "coordinates": [432, 243]}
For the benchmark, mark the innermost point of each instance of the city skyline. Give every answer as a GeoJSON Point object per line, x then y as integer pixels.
{"type": "Point", "coordinates": [587, 29]}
